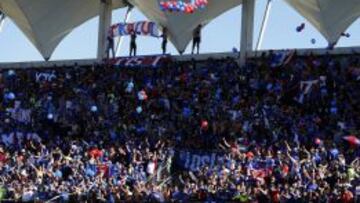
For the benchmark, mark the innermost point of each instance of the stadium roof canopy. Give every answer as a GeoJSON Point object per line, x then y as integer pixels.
{"type": "Point", "coordinates": [330, 17]}
{"type": "Point", "coordinates": [181, 26]}
{"type": "Point", "coordinates": [47, 22]}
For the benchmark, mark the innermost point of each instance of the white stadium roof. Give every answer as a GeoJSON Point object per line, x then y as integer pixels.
{"type": "Point", "coordinates": [330, 17]}
{"type": "Point", "coordinates": [47, 22]}
{"type": "Point", "coordinates": [181, 26]}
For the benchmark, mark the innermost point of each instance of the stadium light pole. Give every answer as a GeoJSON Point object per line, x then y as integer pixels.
{"type": "Point", "coordinates": [105, 16]}
{"type": "Point", "coordinates": [247, 29]}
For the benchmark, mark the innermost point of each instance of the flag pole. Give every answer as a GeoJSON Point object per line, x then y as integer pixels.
{"type": "Point", "coordinates": [2, 20]}
{"type": "Point", "coordinates": [120, 39]}
{"type": "Point", "coordinates": [264, 25]}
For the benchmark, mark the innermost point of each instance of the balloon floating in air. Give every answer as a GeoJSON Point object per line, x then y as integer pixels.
{"type": "Point", "coordinates": [347, 35]}
{"type": "Point", "coordinates": [300, 28]}
{"type": "Point", "coordinates": [183, 7]}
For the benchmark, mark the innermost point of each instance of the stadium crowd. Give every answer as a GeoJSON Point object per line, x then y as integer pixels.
{"type": "Point", "coordinates": [111, 134]}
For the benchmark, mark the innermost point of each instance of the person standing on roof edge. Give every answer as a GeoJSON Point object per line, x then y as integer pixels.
{"type": "Point", "coordinates": [165, 39]}
{"type": "Point", "coordinates": [110, 45]}
{"type": "Point", "coordinates": [133, 43]}
{"type": "Point", "coordinates": [196, 39]}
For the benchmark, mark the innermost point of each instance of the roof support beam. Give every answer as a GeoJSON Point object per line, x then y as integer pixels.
{"type": "Point", "coordinates": [105, 16]}
{"type": "Point", "coordinates": [247, 29]}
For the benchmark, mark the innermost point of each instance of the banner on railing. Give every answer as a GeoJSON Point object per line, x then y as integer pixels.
{"type": "Point", "coordinates": [195, 160]}
{"type": "Point", "coordinates": [141, 61]}
{"type": "Point", "coordinates": [144, 28]}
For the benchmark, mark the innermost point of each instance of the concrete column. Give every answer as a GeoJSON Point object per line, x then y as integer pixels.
{"type": "Point", "coordinates": [247, 29]}
{"type": "Point", "coordinates": [105, 16]}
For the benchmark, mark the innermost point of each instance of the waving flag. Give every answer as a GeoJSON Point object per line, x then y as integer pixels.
{"type": "Point", "coordinates": [144, 28]}
{"type": "Point", "coordinates": [282, 58]}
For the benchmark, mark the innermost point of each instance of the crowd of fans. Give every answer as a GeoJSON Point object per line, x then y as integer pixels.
{"type": "Point", "coordinates": [110, 134]}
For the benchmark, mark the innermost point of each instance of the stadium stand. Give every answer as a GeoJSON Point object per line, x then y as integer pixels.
{"type": "Point", "coordinates": [280, 129]}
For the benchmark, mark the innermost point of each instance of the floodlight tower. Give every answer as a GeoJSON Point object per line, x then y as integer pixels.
{"type": "Point", "coordinates": [105, 16]}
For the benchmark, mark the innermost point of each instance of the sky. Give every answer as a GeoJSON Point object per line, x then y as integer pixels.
{"type": "Point", "coordinates": [221, 35]}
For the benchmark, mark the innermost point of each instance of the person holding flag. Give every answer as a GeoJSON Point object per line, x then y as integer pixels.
{"type": "Point", "coordinates": [133, 43]}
